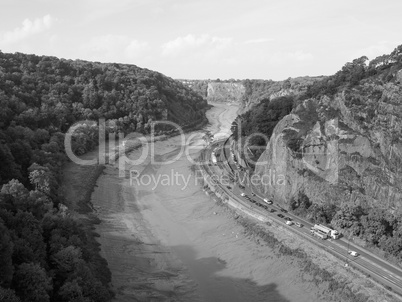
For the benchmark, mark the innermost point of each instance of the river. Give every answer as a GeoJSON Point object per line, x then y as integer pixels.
{"type": "Point", "coordinates": [165, 240]}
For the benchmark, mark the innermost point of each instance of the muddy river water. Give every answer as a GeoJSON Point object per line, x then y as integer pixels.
{"type": "Point", "coordinates": [166, 240]}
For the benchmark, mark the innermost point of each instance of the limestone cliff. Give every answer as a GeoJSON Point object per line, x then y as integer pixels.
{"type": "Point", "coordinates": [257, 90]}
{"type": "Point", "coordinates": [248, 93]}
{"type": "Point", "coordinates": [225, 92]}
{"type": "Point", "coordinates": [345, 147]}
{"type": "Point", "coordinates": [230, 91]}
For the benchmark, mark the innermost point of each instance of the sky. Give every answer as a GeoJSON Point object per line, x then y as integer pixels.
{"type": "Point", "coordinates": [206, 39]}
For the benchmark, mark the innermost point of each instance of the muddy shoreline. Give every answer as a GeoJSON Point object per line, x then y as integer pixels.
{"type": "Point", "coordinates": [166, 243]}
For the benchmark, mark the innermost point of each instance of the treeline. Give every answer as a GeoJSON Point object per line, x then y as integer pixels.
{"type": "Point", "coordinates": [258, 90]}
{"type": "Point", "coordinates": [383, 68]}
{"type": "Point", "coordinates": [41, 97]}
{"type": "Point", "coordinates": [44, 254]}
{"type": "Point", "coordinates": [262, 119]}
{"type": "Point", "coordinates": [378, 227]}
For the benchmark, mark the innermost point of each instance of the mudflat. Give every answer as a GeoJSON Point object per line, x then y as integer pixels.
{"type": "Point", "coordinates": [165, 240]}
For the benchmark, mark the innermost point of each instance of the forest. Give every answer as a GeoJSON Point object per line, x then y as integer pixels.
{"type": "Point", "coordinates": [45, 255]}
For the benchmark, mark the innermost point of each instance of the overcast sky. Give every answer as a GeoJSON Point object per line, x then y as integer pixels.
{"type": "Point", "coordinates": [206, 39]}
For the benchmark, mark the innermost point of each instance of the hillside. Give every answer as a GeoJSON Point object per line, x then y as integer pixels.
{"type": "Point", "coordinates": [339, 152]}
{"type": "Point", "coordinates": [41, 97]}
{"type": "Point", "coordinates": [258, 90]}
{"type": "Point", "coordinates": [45, 255]}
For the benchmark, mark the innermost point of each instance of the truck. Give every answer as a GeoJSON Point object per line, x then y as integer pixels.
{"type": "Point", "coordinates": [334, 234]}
{"type": "Point", "coordinates": [318, 233]}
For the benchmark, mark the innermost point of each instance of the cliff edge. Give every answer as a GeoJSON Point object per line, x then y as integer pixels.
{"type": "Point", "coordinates": [341, 148]}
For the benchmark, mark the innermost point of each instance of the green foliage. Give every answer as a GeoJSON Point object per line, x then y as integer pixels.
{"type": "Point", "coordinates": [6, 252]}
{"type": "Point", "coordinates": [300, 205]}
{"type": "Point", "coordinates": [32, 283]}
{"type": "Point", "coordinates": [262, 119]}
{"type": "Point", "coordinates": [8, 295]}
{"type": "Point", "coordinates": [45, 256]}
{"type": "Point", "coordinates": [384, 67]}
{"type": "Point", "coordinates": [41, 97]}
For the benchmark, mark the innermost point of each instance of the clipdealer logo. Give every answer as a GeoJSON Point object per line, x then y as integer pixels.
{"type": "Point", "coordinates": [114, 147]}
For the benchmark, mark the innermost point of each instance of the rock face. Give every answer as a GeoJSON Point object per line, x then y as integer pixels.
{"type": "Point", "coordinates": [225, 92]}
{"type": "Point", "coordinates": [257, 90]}
{"type": "Point", "coordinates": [346, 148]}
{"type": "Point", "coordinates": [248, 93]}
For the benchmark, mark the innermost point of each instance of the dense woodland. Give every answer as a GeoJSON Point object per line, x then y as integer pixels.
{"type": "Point", "coordinates": [262, 118]}
{"type": "Point", "coordinates": [44, 254]}
{"type": "Point", "coordinates": [377, 227]}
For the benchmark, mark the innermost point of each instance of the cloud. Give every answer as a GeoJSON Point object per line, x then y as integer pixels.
{"type": "Point", "coordinates": [114, 48]}
{"type": "Point", "coordinates": [300, 56]}
{"type": "Point", "coordinates": [27, 29]}
{"type": "Point", "coordinates": [190, 44]}
{"type": "Point", "coordinates": [257, 41]}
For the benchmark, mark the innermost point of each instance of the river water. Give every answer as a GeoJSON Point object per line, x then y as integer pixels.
{"type": "Point", "coordinates": [166, 240]}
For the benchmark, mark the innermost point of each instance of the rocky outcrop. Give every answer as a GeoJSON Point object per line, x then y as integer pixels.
{"type": "Point", "coordinates": [257, 90]}
{"type": "Point", "coordinates": [225, 92]}
{"type": "Point", "coordinates": [248, 93]}
{"type": "Point", "coordinates": [345, 148]}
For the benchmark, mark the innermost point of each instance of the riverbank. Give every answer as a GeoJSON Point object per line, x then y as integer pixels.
{"type": "Point", "coordinates": [169, 242]}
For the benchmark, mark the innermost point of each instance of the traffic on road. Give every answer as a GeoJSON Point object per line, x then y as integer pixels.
{"type": "Point", "coordinates": [329, 239]}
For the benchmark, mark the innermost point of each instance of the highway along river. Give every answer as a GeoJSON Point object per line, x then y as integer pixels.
{"type": "Point", "coordinates": [166, 240]}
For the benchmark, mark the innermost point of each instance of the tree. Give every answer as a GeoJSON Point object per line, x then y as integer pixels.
{"type": "Point", "coordinates": [67, 259]}
{"type": "Point", "coordinates": [348, 217]}
{"type": "Point", "coordinates": [375, 225]}
{"type": "Point", "coordinates": [72, 291]}
{"type": "Point", "coordinates": [29, 245]}
{"type": "Point", "coordinates": [9, 168]}
{"type": "Point", "coordinates": [8, 295]}
{"type": "Point", "coordinates": [6, 251]}
{"type": "Point", "coordinates": [31, 283]}
{"type": "Point", "coordinates": [15, 189]}
{"type": "Point", "coordinates": [301, 204]}
{"type": "Point", "coordinates": [42, 178]}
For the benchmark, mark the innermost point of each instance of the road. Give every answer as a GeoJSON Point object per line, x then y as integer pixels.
{"type": "Point", "coordinates": [378, 269]}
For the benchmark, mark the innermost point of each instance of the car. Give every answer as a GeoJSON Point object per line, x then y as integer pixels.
{"type": "Point", "coordinates": [243, 194]}
{"type": "Point", "coordinates": [272, 210]}
{"type": "Point", "coordinates": [268, 201]}
{"type": "Point", "coordinates": [298, 224]}
{"type": "Point", "coordinates": [283, 210]}
{"type": "Point", "coordinates": [288, 218]}
{"type": "Point", "coordinates": [353, 253]}
{"type": "Point", "coordinates": [280, 215]}
{"type": "Point", "coordinates": [288, 222]}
